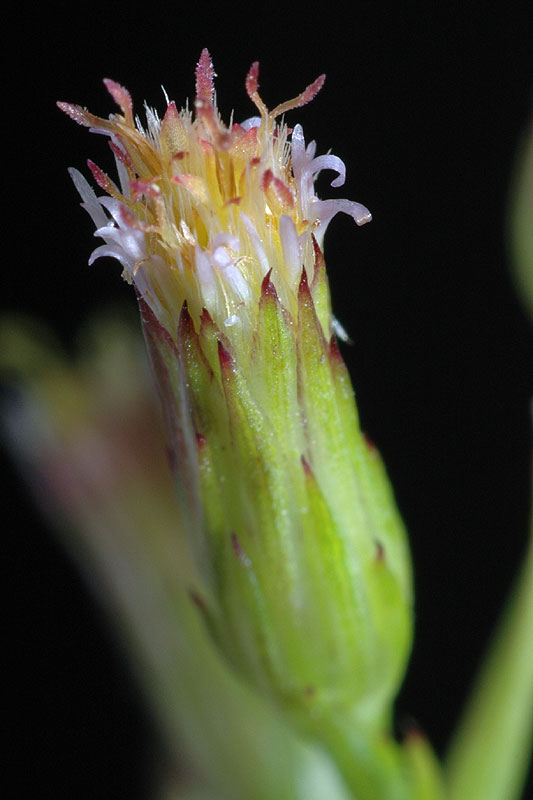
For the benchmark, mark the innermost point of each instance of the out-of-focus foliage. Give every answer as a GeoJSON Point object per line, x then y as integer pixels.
{"type": "Point", "coordinates": [491, 749]}
{"type": "Point", "coordinates": [87, 438]}
{"type": "Point", "coordinates": [521, 222]}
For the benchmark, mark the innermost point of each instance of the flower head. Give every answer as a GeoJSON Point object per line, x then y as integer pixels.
{"type": "Point", "coordinates": [307, 576]}
{"type": "Point", "coordinates": [203, 210]}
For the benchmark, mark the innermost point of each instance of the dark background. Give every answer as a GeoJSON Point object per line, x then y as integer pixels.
{"type": "Point", "coordinates": [426, 104]}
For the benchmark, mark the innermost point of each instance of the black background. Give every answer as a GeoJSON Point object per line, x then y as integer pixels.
{"type": "Point", "coordinates": [426, 104]}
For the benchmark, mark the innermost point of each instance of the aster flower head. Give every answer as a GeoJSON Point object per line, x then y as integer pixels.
{"type": "Point", "coordinates": [203, 210]}
{"type": "Point", "coordinates": [306, 574]}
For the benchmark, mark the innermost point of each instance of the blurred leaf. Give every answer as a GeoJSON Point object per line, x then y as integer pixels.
{"type": "Point", "coordinates": [489, 756]}
{"type": "Point", "coordinates": [87, 438]}
{"type": "Point", "coordinates": [521, 222]}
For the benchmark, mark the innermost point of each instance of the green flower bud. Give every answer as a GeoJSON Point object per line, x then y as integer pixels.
{"type": "Point", "coordinates": [307, 575]}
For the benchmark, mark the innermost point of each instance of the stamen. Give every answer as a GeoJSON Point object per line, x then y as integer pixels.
{"type": "Point", "coordinates": [122, 155]}
{"type": "Point", "coordinates": [84, 117]}
{"type": "Point", "coordinates": [204, 106]}
{"type": "Point", "coordinates": [103, 180]}
{"type": "Point", "coordinates": [252, 88]}
{"type": "Point", "coordinates": [205, 87]}
{"type": "Point", "coordinates": [122, 98]}
{"type": "Point", "coordinates": [302, 99]}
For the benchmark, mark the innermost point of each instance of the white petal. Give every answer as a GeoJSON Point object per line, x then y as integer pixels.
{"type": "Point", "coordinates": [225, 240]}
{"type": "Point", "coordinates": [329, 162]}
{"type": "Point", "coordinates": [290, 246]}
{"type": "Point", "coordinates": [251, 122]}
{"type": "Point", "coordinates": [325, 210]}
{"type": "Point", "coordinates": [123, 176]}
{"type": "Point", "coordinates": [206, 276]}
{"type": "Point", "coordinates": [112, 252]}
{"type": "Point", "coordinates": [114, 207]}
{"type": "Point", "coordinates": [90, 200]}
{"type": "Point", "coordinates": [255, 241]}
{"type": "Point", "coordinates": [298, 150]}
{"type": "Point", "coordinates": [237, 283]}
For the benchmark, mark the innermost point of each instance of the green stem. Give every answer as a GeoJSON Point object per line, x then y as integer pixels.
{"type": "Point", "coordinates": [488, 758]}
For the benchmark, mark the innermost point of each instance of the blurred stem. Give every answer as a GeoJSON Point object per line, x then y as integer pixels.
{"type": "Point", "coordinates": [375, 766]}
{"type": "Point", "coordinates": [371, 761]}
{"type": "Point", "coordinates": [489, 755]}
{"type": "Point", "coordinates": [220, 730]}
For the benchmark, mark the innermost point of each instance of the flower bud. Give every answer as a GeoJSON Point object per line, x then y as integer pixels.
{"type": "Point", "coordinates": [288, 504]}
